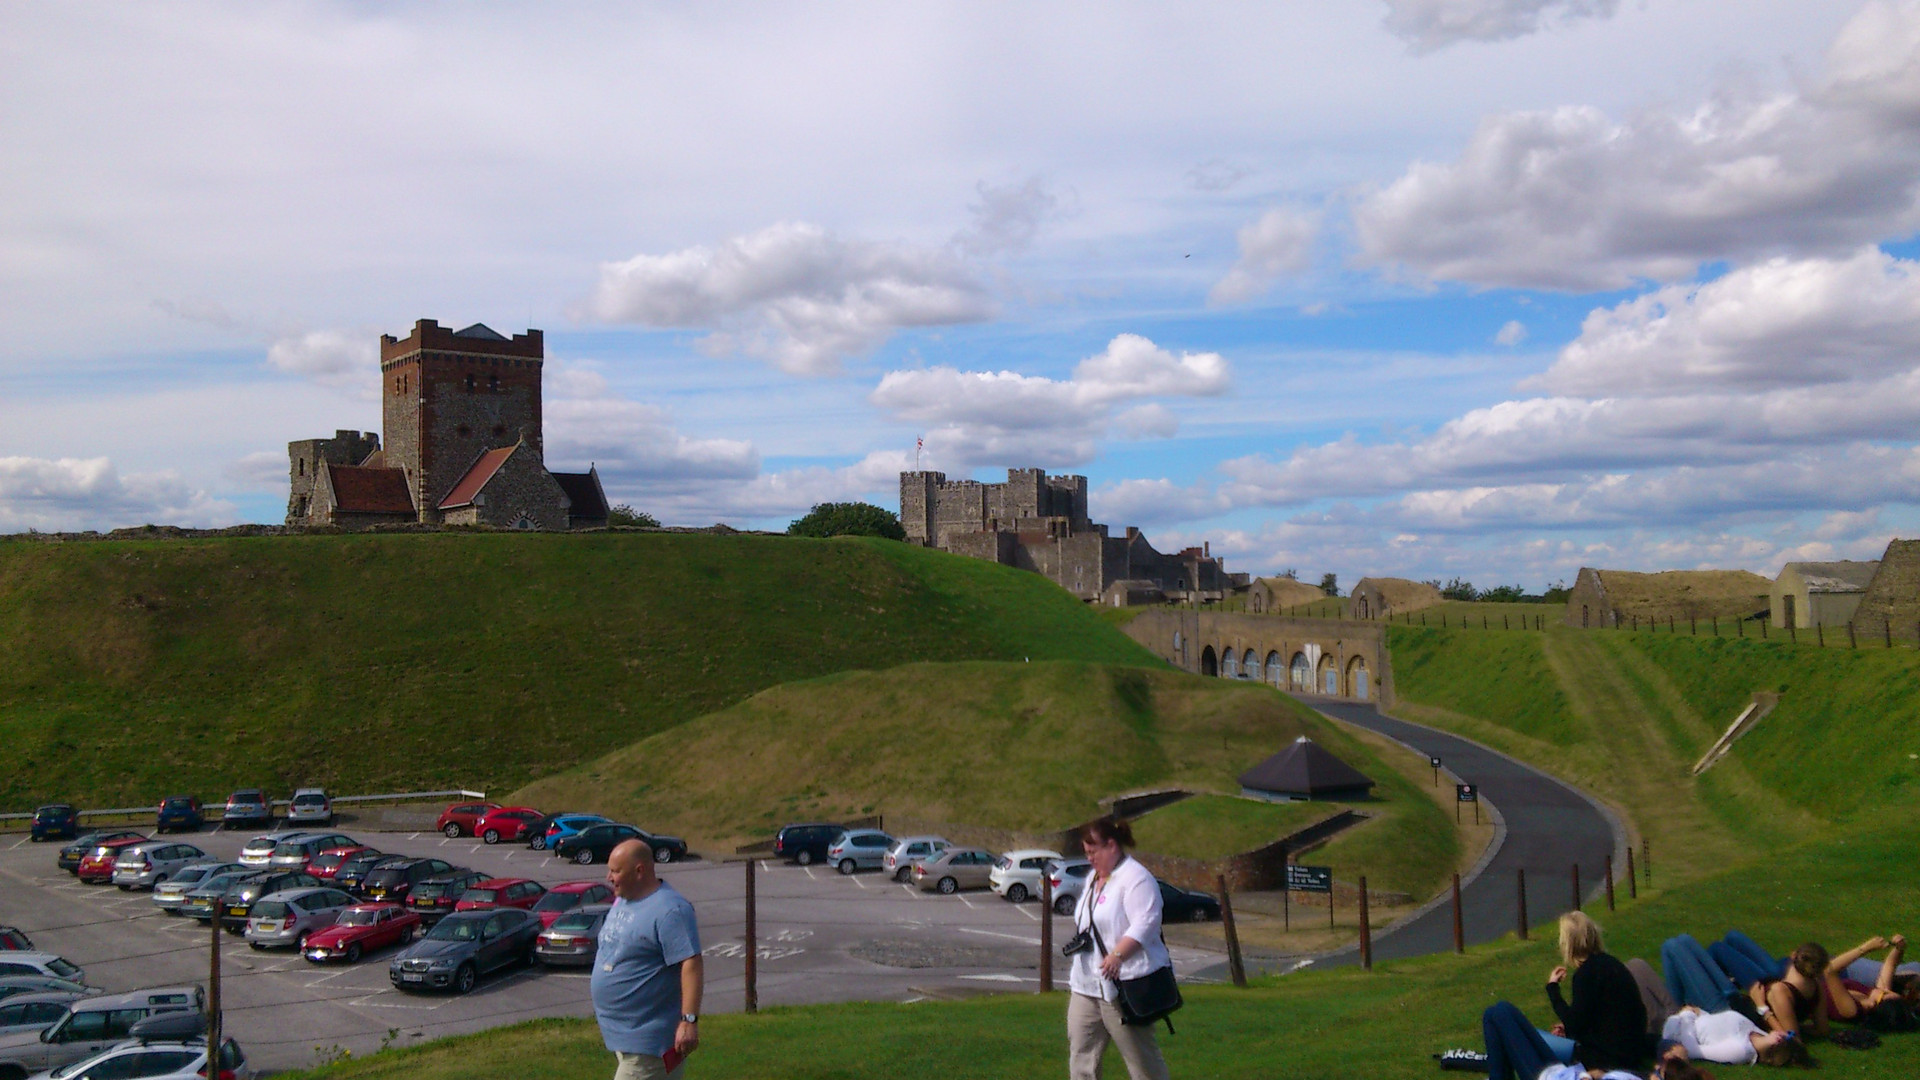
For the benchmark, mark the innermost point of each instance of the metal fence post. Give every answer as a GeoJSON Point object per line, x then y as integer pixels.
{"type": "Point", "coordinates": [752, 974]}
{"type": "Point", "coordinates": [1609, 882]}
{"type": "Point", "coordinates": [1522, 876]}
{"type": "Point", "coordinates": [1576, 886]}
{"type": "Point", "coordinates": [1046, 931]}
{"type": "Point", "coordinates": [1633, 879]}
{"type": "Point", "coordinates": [1366, 931]}
{"type": "Point", "coordinates": [1235, 966]}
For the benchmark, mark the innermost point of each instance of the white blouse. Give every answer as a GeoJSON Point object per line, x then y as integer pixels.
{"type": "Point", "coordinates": [1127, 906]}
{"type": "Point", "coordinates": [1725, 1037]}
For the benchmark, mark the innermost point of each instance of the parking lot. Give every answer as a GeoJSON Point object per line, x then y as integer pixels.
{"type": "Point", "coordinates": [822, 937]}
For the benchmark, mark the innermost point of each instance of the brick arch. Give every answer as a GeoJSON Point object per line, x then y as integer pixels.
{"type": "Point", "coordinates": [1229, 662]}
{"type": "Point", "coordinates": [1250, 665]}
{"type": "Point", "coordinates": [1209, 663]}
{"type": "Point", "coordinates": [1276, 670]}
{"type": "Point", "coordinates": [1359, 680]}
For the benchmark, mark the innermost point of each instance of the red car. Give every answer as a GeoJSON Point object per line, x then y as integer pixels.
{"type": "Point", "coordinates": [97, 867]}
{"type": "Point", "coordinates": [507, 823]}
{"type": "Point", "coordinates": [362, 928]}
{"type": "Point", "coordinates": [502, 892]}
{"type": "Point", "coordinates": [13, 939]}
{"type": "Point", "coordinates": [568, 895]}
{"type": "Point", "coordinates": [461, 818]}
{"type": "Point", "coordinates": [328, 862]}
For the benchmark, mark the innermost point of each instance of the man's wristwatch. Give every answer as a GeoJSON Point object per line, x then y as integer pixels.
{"type": "Point", "coordinates": [689, 1018]}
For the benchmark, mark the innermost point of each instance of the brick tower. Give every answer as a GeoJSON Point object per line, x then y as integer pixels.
{"type": "Point", "coordinates": [451, 395]}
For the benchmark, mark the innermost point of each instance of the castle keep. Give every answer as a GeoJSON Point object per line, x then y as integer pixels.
{"type": "Point", "coordinates": [460, 410]}
{"type": "Point", "coordinates": [1039, 522]}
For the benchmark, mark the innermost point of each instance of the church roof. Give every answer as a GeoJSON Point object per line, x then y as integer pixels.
{"type": "Point", "coordinates": [361, 490]}
{"type": "Point", "coordinates": [477, 477]}
{"type": "Point", "coordinates": [481, 331]}
{"type": "Point", "coordinates": [1304, 768]}
{"type": "Point", "coordinates": [583, 493]}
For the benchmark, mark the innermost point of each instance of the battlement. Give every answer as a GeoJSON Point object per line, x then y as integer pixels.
{"type": "Point", "coordinates": [429, 336]}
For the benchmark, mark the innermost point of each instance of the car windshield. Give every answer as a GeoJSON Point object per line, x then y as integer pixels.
{"type": "Point", "coordinates": [456, 930]}
{"type": "Point", "coordinates": [190, 874]}
{"type": "Point", "coordinates": [59, 966]}
{"type": "Point", "coordinates": [290, 847]}
{"type": "Point", "coordinates": [309, 800]}
{"type": "Point", "coordinates": [576, 921]}
{"type": "Point", "coordinates": [269, 909]}
{"type": "Point", "coordinates": [432, 890]}
{"type": "Point", "coordinates": [386, 875]}
{"type": "Point", "coordinates": [327, 862]}
{"type": "Point", "coordinates": [481, 896]}
{"type": "Point", "coordinates": [359, 918]}
{"type": "Point", "coordinates": [556, 901]}
{"type": "Point", "coordinates": [178, 804]}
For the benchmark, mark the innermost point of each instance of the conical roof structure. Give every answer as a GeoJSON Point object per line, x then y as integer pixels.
{"type": "Point", "coordinates": [1305, 770]}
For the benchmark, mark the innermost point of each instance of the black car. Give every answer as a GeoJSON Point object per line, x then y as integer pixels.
{"type": "Point", "coordinates": [464, 946]}
{"type": "Point", "coordinates": [56, 821]}
{"type": "Point", "coordinates": [352, 873]}
{"type": "Point", "coordinates": [393, 881]}
{"type": "Point", "coordinates": [594, 843]}
{"type": "Point", "coordinates": [179, 812]}
{"type": "Point", "coordinates": [806, 844]}
{"type": "Point", "coordinates": [71, 855]}
{"type": "Point", "coordinates": [237, 903]}
{"type": "Point", "coordinates": [433, 899]}
{"type": "Point", "coordinates": [1186, 905]}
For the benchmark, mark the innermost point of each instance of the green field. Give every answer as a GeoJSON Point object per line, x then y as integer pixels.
{"type": "Point", "coordinates": [134, 669]}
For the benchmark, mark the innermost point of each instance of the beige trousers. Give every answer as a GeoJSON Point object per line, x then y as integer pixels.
{"type": "Point", "coordinates": [1093, 1023]}
{"type": "Point", "coordinates": [645, 1067]}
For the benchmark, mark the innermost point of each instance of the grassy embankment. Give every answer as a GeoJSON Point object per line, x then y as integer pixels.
{"type": "Point", "coordinates": [134, 669]}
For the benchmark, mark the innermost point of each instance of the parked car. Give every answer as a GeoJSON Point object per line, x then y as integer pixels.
{"type": "Point", "coordinates": [330, 860]}
{"type": "Point", "coordinates": [434, 898]}
{"type": "Point", "coordinates": [806, 844]}
{"type": "Point", "coordinates": [35, 1012]}
{"type": "Point", "coordinates": [202, 901]}
{"type": "Point", "coordinates": [569, 896]}
{"type": "Point", "coordinates": [522, 893]}
{"type": "Point", "coordinates": [561, 826]}
{"type": "Point", "coordinates": [594, 843]}
{"type": "Point", "coordinates": [97, 867]}
{"type": "Point", "coordinates": [15, 985]}
{"type": "Point", "coordinates": [507, 823]}
{"type": "Point", "coordinates": [310, 806]}
{"type": "Point", "coordinates": [14, 939]}
{"type": "Point", "coordinates": [170, 894]}
{"type": "Point", "coordinates": [179, 812]}
{"type": "Point", "coordinates": [1187, 905]}
{"type": "Point", "coordinates": [955, 869]}
{"type": "Point", "coordinates": [464, 946]}
{"type": "Point", "coordinates": [295, 852]}
{"type": "Point", "coordinates": [859, 849]}
{"type": "Point", "coordinates": [55, 821]}
{"type": "Point", "coordinates": [573, 938]}
{"type": "Point", "coordinates": [363, 928]}
{"type": "Point", "coordinates": [145, 865]}
{"type": "Point", "coordinates": [236, 907]}
{"type": "Point", "coordinates": [352, 874]}
{"type": "Point", "coordinates": [84, 844]}
{"type": "Point", "coordinates": [287, 917]}
{"type": "Point", "coordinates": [91, 1026]}
{"type": "Point", "coordinates": [1016, 874]}
{"type": "Point", "coordinates": [1069, 881]}
{"type": "Point", "coordinates": [44, 964]}
{"type": "Point", "coordinates": [909, 850]}
{"type": "Point", "coordinates": [395, 880]}
{"type": "Point", "coordinates": [248, 806]}
{"type": "Point", "coordinates": [460, 818]}
{"type": "Point", "coordinates": [151, 1058]}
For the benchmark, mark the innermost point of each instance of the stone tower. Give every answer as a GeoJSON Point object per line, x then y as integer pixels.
{"type": "Point", "coordinates": [451, 395]}
{"type": "Point", "coordinates": [306, 457]}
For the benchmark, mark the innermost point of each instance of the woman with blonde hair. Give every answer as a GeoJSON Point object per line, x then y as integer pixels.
{"type": "Point", "coordinates": [1602, 1012]}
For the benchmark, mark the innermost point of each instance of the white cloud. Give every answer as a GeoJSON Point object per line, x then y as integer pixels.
{"type": "Point", "coordinates": [337, 358]}
{"type": "Point", "coordinates": [1148, 502]}
{"type": "Point", "coordinates": [1278, 244]}
{"type": "Point", "coordinates": [1434, 24]}
{"type": "Point", "coordinates": [72, 494]}
{"type": "Point", "coordinates": [1217, 175]}
{"type": "Point", "coordinates": [261, 469]}
{"type": "Point", "coordinates": [1153, 421]}
{"type": "Point", "coordinates": [770, 497]}
{"type": "Point", "coordinates": [1006, 219]}
{"type": "Point", "coordinates": [792, 294]}
{"type": "Point", "coordinates": [1513, 333]}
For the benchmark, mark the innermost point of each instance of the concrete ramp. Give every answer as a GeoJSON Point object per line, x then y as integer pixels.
{"type": "Point", "coordinates": [1749, 717]}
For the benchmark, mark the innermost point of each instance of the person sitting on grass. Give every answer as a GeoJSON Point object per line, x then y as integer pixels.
{"type": "Point", "coordinates": [1888, 1003]}
{"type": "Point", "coordinates": [1796, 1002]}
{"type": "Point", "coordinates": [1605, 1017]}
{"type": "Point", "coordinates": [1728, 1038]}
{"type": "Point", "coordinates": [1515, 1048]}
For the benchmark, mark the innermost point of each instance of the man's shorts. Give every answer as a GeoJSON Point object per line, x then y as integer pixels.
{"type": "Point", "coordinates": [645, 1067]}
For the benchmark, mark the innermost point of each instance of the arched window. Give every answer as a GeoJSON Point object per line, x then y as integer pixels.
{"type": "Point", "coordinates": [1229, 664]}
{"type": "Point", "coordinates": [1276, 671]}
{"type": "Point", "coordinates": [1302, 672]}
{"type": "Point", "coordinates": [1250, 664]}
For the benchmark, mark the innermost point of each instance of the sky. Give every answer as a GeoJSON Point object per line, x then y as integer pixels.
{"type": "Point", "coordinates": [1488, 289]}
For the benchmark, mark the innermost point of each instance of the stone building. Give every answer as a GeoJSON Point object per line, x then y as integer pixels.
{"type": "Point", "coordinates": [1615, 598]}
{"type": "Point", "coordinates": [1810, 594]}
{"type": "Point", "coordinates": [1389, 597]}
{"type": "Point", "coordinates": [1272, 595]}
{"type": "Point", "coordinates": [1891, 603]}
{"type": "Point", "coordinates": [460, 411]}
{"type": "Point", "coordinates": [1040, 523]}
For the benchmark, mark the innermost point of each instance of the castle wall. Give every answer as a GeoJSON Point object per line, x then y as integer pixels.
{"type": "Point", "coordinates": [307, 460]}
{"type": "Point", "coordinates": [522, 494]}
{"type": "Point", "coordinates": [448, 399]}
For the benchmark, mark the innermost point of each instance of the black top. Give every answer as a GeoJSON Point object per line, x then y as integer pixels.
{"type": "Point", "coordinates": [1606, 1020]}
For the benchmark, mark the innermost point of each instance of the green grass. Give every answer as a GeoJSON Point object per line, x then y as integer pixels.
{"type": "Point", "coordinates": [1215, 826]}
{"type": "Point", "coordinates": [1503, 679]}
{"type": "Point", "coordinates": [1325, 1024]}
{"type": "Point", "coordinates": [134, 669]}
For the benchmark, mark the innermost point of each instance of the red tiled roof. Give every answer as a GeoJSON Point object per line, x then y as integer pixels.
{"type": "Point", "coordinates": [477, 477]}
{"type": "Point", "coordinates": [361, 490]}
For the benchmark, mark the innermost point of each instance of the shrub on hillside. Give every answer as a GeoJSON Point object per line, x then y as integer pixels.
{"type": "Point", "coordinates": [624, 514]}
{"type": "Point", "coordinates": [848, 519]}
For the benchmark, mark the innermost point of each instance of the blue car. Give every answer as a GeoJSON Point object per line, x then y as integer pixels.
{"type": "Point", "coordinates": [563, 826]}
{"type": "Point", "coordinates": [55, 821]}
{"type": "Point", "coordinates": [180, 812]}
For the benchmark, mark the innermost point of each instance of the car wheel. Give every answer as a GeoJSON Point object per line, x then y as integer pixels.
{"type": "Point", "coordinates": [665, 854]}
{"type": "Point", "coordinates": [584, 856]}
{"type": "Point", "coordinates": [1017, 893]}
{"type": "Point", "coordinates": [464, 979]}
{"type": "Point", "coordinates": [539, 843]}
{"type": "Point", "coordinates": [353, 952]}
{"type": "Point", "coordinates": [407, 938]}
{"type": "Point", "coordinates": [452, 831]}
{"type": "Point", "coordinates": [1063, 905]}
{"type": "Point", "coordinates": [255, 946]}
{"type": "Point", "coordinates": [491, 836]}
{"type": "Point", "coordinates": [805, 858]}
{"type": "Point", "coordinates": [948, 886]}
{"type": "Point", "coordinates": [902, 874]}
{"type": "Point", "coordinates": [300, 943]}
{"type": "Point", "coordinates": [847, 867]}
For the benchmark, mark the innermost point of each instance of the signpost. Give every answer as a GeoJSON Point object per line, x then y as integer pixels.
{"type": "Point", "coordinates": [1314, 879]}
{"type": "Point", "coordinates": [1466, 793]}
{"type": "Point", "coordinates": [1435, 762]}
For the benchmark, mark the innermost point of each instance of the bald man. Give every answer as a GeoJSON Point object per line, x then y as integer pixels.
{"type": "Point", "coordinates": [647, 975]}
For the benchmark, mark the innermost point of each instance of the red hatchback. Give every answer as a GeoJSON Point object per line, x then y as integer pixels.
{"type": "Point", "coordinates": [508, 823]}
{"type": "Point", "coordinates": [362, 928]}
{"type": "Point", "coordinates": [329, 862]}
{"type": "Point", "coordinates": [461, 818]}
{"type": "Point", "coordinates": [568, 895]}
{"type": "Point", "coordinates": [97, 867]}
{"type": "Point", "coordinates": [502, 892]}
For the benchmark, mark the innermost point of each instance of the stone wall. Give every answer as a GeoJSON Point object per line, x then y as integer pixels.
{"type": "Point", "coordinates": [308, 458]}
{"type": "Point", "coordinates": [1182, 637]}
{"type": "Point", "coordinates": [521, 495]}
{"type": "Point", "coordinates": [1892, 600]}
{"type": "Point", "coordinates": [446, 399]}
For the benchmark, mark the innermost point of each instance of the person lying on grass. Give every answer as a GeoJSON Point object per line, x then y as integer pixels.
{"type": "Point", "coordinates": [1799, 998]}
{"type": "Point", "coordinates": [1728, 1038]}
{"type": "Point", "coordinates": [1889, 1003]}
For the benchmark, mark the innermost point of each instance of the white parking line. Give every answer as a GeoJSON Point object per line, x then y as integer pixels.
{"type": "Point", "coordinates": [995, 933]}
{"type": "Point", "coordinates": [967, 902]}
{"type": "Point", "coordinates": [998, 978]}
{"type": "Point", "coordinates": [1022, 910]}
{"type": "Point", "coordinates": [20, 841]}
{"type": "Point", "coordinates": [809, 871]}
{"type": "Point", "coordinates": [858, 882]}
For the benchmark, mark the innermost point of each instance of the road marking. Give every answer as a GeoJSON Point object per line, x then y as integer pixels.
{"type": "Point", "coordinates": [997, 978]}
{"type": "Point", "coordinates": [1024, 939]}
{"type": "Point", "coordinates": [22, 840]}
{"type": "Point", "coordinates": [857, 881]}
{"type": "Point", "coordinates": [1022, 910]}
{"type": "Point", "coordinates": [809, 871]}
{"type": "Point", "coordinates": [966, 901]}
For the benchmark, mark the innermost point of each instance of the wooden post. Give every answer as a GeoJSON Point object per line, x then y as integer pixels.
{"type": "Point", "coordinates": [1887, 624]}
{"type": "Point", "coordinates": [1576, 886]}
{"type": "Point", "coordinates": [1820, 634]}
{"type": "Point", "coordinates": [1716, 626]}
{"type": "Point", "coordinates": [752, 973]}
{"type": "Point", "coordinates": [1504, 624]}
{"type": "Point", "coordinates": [1693, 626]}
{"type": "Point", "coordinates": [1522, 874]}
{"type": "Point", "coordinates": [214, 1024]}
{"type": "Point", "coordinates": [1609, 882]}
{"type": "Point", "coordinates": [1633, 877]}
{"type": "Point", "coordinates": [1669, 624]}
{"type": "Point", "coordinates": [1046, 929]}
{"type": "Point", "coordinates": [1235, 965]}
{"type": "Point", "coordinates": [1646, 859]}
{"type": "Point", "coordinates": [1766, 627]}
{"type": "Point", "coordinates": [1740, 628]}
{"type": "Point", "coordinates": [1459, 927]}
{"type": "Point", "coordinates": [1852, 643]}
{"type": "Point", "coordinates": [1366, 932]}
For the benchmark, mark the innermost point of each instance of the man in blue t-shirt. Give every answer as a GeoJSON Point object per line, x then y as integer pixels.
{"type": "Point", "coordinates": [647, 975]}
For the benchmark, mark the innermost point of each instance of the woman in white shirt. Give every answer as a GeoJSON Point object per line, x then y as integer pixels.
{"type": "Point", "coordinates": [1730, 1039]}
{"type": "Point", "coordinates": [1120, 907]}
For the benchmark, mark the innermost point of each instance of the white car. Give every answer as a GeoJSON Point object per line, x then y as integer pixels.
{"type": "Point", "coordinates": [908, 852]}
{"type": "Point", "coordinates": [143, 866]}
{"type": "Point", "coordinates": [157, 1059]}
{"type": "Point", "coordinates": [40, 963]}
{"type": "Point", "coordinates": [258, 852]}
{"type": "Point", "coordinates": [310, 806]}
{"type": "Point", "coordinates": [1069, 881]}
{"type": "Point", "coordinates": [1016, 874]}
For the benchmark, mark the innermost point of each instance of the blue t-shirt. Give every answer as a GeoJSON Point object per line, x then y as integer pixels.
{"type": "Point", "coordinates": [636, 973]}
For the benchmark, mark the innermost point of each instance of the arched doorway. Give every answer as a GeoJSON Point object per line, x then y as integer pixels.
{"type": "Point", "coordinates": [1329, 677]}
{"type": "Point", "coordinates": [1302, 673]}
{"type": "Point", "coordinates": [1229, 663]}
{"type": "Point", "coordinates": [1357, 678]}
{"type": "Point", "coordinates": [1276, 670]}
{"type": "Point", "coordinates": [1250, 664]}
{"type": "Point", "coordinates": [1208, 664]}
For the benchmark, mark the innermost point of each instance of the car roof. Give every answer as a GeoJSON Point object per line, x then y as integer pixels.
{"type": "Point", "coordinates": [297, 792]}
{"type": "Point", "coordinates": [474, 915]}
{"type": "Point", "coordinates": [54, 806]}
{"type": "Point", "coordinates": [503, 882]}
{"type": "Point", "coordinates": [296, 893]}
{"type": "Point", "coordinates": [114, 1001]}
{"type": "Point", "coordinates": [250, 791]}
{"type": "Point", "coordinates": [528, 809]}
{"type": "Point", "coordinates": [58, 997]}
{"type": "Point", "coordinates": [575, 886]}
{"type": "Point", "coordinates": [1030, 852]}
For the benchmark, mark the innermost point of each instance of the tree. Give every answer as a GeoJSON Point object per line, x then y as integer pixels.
{"type": "Point", "coordinates": [1330, 584]}
{"type": "Point", "coordinates": [1506, 594]}
{"type": "Point", "coordinates": [848, 519]}
{"type": "Point", "coordinates": [1290, 574]}
{"type": "Point", "coordinates": [1459, 590]}
{"type": "Point", "coordinates": [625, 514]}
{"type": "Point", "coordinates": [1557, 593]}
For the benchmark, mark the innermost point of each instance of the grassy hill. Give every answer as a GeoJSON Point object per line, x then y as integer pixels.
{"type": "Point", "coordinates": [1025, 747]}
{"type": "Point", "coordinates": [133, 669]}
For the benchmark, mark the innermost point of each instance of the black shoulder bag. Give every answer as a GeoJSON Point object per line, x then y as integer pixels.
{"type": "Point", "coordinates": [1153, 996]}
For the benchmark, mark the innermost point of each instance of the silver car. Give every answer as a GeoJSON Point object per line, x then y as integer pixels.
{"type": "Point", "coordinates": [41, 963]}
{"type": "Point", "coordinates": [1069, 881]}
{"type": "Point", "coordinates": [573, 939]}
{"type": "Point", "coordinates": [288, 916]}
{"type": "Point", "coordinates": [258, 852]}
{"type": "Point", "coordinates": [92, 1025]}
{"type": "Point", "coordinates": [310, 806]}
{"type": "Point", "coordinates": [35, 1012]}
{"type": "Point", "coordinates": [171, 893]}
{"type": "Point", "coordinates": [296, 851]}
{"type": "Point", "coordinates": [909, 851]}
{"type": "Point", "coordinates": [144, 866]}
{"type": "Point", "coordinates": [859, 849]}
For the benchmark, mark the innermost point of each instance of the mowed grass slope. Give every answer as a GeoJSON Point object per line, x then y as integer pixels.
{"type": "Point", "coordinates": [134, 669]}
{"type": "Point", "coordinates": [1026, 747]}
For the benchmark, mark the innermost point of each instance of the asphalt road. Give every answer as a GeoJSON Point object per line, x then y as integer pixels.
{"type": "Point", "coordinates": [822, 937]}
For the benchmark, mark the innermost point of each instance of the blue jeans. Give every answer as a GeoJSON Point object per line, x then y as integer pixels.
{"type": "Point", "coordinates": [1513, 1043]}
{"type": "Point", "coordinates": [1693, 978]}
{"type": "Point", "coordinates": [1742, 957]}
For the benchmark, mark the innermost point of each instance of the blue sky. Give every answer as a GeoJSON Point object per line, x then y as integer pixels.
{"type": "Point", "coordinates": [1486, 288]}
